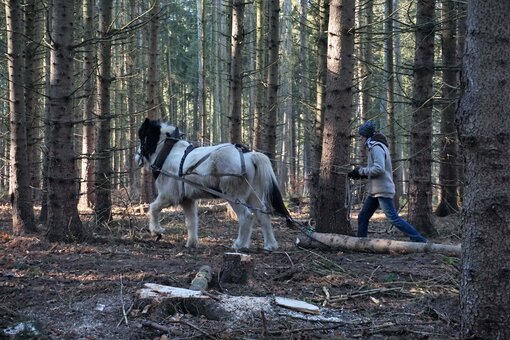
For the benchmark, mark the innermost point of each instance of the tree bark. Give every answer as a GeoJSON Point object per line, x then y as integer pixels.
{"type": "Point", "coordinates": [236, 81]}
{"type": "Point", "coordinates": [35, 18]}
{"type": "Point", "coordinates": [484, 131]}
{"type": "Point", "coordinates": [103, 168]}
{"type": "Point", "coordinates": [420, 190]}
{"type": "Point", "coordinates": [21, 194]}
{"type": "Point", "coordinates": [448, 179]}
{"type": "Point", "coordinates": [272, 79]}
{"type": "Point", "coordinates": [152, 92]}
{"type": "Point", "coordinates": [336, 138]}
{"type": "Point", "coordinates": [318, 119]}
{"type": "Point", "coordinates": [89, 127]}
{"type": "Point", "coordinates": [63, 188]}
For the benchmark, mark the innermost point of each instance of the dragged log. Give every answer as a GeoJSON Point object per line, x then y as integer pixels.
{"type": "Point", "coordinates": [376, 245]}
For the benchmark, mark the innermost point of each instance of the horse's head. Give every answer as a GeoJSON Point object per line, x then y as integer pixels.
{"type": "Point", "coordinates": [151, 133]}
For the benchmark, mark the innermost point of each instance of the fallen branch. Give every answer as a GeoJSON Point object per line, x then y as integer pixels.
{"type": "Point", "coordinates": [202, 279]}
{"type": "Point", "coordinates": [376, 245]}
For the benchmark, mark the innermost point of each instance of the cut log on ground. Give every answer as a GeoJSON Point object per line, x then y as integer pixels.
{"type": "Point", "coordinates": [236, 268]}
{"type": "Point", "coordinates": [202, 279]}
{"type": "Point", "coordinates": [164, 301]}
{"type": "Point", "coordinates": [376, 245]}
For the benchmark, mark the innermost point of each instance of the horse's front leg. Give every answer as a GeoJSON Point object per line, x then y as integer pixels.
{"type": "Point", "coordinates": [190, 210]}
{"type": "Point", "coordinates": [154, 211]}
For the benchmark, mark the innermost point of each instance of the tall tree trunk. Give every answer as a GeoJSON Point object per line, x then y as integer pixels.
{"type": "Point", "coordinates": [21, 195]}
{"type": "Point", "coordinates": [390, 91]}
{"type": "Point", "coordinates": [103, 175]}
{"type": "Point", "coordinates": [134, 186]}
{"type": "Point", "coordinates": [202, 110]}
{"type": "Point", "coordinates": [152, 92]}
{"type": "Point", "coordinates": [261, 74]}
{"type": "Point", "coordinates": [484, 131]}
{"type": "Point", "coordinates": [305, 107]}
{"type": "Point", "coordinates": [398, 169]}
{"type": "Point", "coordinates": [34, 28]}
{"type": "Point", "coordinates": [89, 127]}
{"type": "Point", "coordinates": [420, 191]}
{"type": "Point", "coordinates": [318, 121]}
{"type": "Point", "coordinates": [272, 79]}
{"type": "Point", "coordinates": [339, 99]}
{"type": "Point", "coordinates": [448, 178]}
{"type": "Point", "coordinates": [63, 188]}
{"type": "Point", "coordinates": [236, 82]}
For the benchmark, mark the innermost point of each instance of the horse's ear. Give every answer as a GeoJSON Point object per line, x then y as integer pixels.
{"type": "Point", "coordinates": [176, 133]}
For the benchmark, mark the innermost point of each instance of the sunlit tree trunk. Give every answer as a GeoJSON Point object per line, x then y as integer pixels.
{"type": "Point", "coordinates": [21, 195]}
{"type": "Point", "coordinates": [236, 82]}
{"type": "Point", "coordinates": [339, 105]}
{"type": "Point", "coordinates": [87, 199]}
{"type": "Point", "coordinates": [260, 73]}
{"type": "Point", "coordinates": [484, 131]}
{"type": "Point", "coordinates": [202, 110]}
{"type": "Point", "coordinates": [63, 188]}
{"type": "Point", "coordinates": [420, 189]}
{"type": "Point", "coordinates": [103, 168]}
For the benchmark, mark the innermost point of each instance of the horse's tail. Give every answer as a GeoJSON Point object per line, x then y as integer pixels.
{"type": "Point", "coordinates": [265, 181]}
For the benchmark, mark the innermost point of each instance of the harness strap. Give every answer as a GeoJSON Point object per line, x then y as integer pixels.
{"type": "Point", "coordinates": [242, 149]}
{"type": "Point", "coordinates": [186, 153]}
{"type": "Point", "coordinates": [162, 155]}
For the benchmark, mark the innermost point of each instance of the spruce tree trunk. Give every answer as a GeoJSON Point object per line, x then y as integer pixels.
{"type": "Point", "coordinates": [236, 82]}
{"type": "Point", "coordinates": [261, 74]}
{"type": "Point", "coordinates": [420, 190]}
{"type": "Point", "coordinates": [272, 78]}
{"type": "Point", "coordinates": [89, 110]}
{"type": "Point", "coordinates": [63, 220]}
{"type": "Point", "coordinates": [448, 178]}
{"type": "Point", "coordinates": [484, 131]}
{"type": "Point", "coordinates": [318, 120]}
{"type": "Point", "coordinates": [152, 93]}
{"type": "Point", "coordinates": [103, 174]}
{"type": "Point", "coordinates": [21, 194]}
{"type": "Point", "coordinates": [336, 139]}
{"type": "Point", "coordinates": [34, 101]}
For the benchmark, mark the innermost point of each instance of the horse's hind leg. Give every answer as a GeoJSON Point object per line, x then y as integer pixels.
{"type": "Point", "coordinates": [246, 219]}
{"type": "Point", "coordinates": [154, 211]}
{"type": "Point", "coordinates": [189, 208]}
{"type": "Point", "coordinates": [270, 242]}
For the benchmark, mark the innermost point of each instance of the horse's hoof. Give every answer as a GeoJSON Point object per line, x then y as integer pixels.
{"type": "Point", "coordinates": [158, 236]}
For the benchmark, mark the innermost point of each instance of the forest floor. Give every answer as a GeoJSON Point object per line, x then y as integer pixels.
{"type": "Point", "coordinates": [88, 290]}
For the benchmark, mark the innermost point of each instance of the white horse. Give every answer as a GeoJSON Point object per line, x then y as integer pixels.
{"type": "Point", "coordinates": [185, 173]}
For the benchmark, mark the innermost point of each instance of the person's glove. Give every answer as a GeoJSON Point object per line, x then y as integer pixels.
{"type": "Point", "coordinates": [354, 174]}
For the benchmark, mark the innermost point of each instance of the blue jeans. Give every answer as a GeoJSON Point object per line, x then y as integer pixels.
{"type": "Point", "coordinates": [386, 204]}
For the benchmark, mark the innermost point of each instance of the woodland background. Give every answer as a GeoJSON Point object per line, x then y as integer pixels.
{"type": "Point", "coordinates": [293, 79]}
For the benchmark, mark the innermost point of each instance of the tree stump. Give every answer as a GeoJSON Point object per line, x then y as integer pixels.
{"type": "Point", "coordinates": [236, 268]}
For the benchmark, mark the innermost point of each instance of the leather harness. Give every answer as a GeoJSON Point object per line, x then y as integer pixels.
{"type": "Point", "coordinates": [169, 144]}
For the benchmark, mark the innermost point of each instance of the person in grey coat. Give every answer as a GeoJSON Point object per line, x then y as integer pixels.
{"type": "Point", "coordinates": [380, 187]}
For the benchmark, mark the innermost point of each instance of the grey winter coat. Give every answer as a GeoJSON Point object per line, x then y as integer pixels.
{"type": "Point", "coordinates": [378, 169]}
